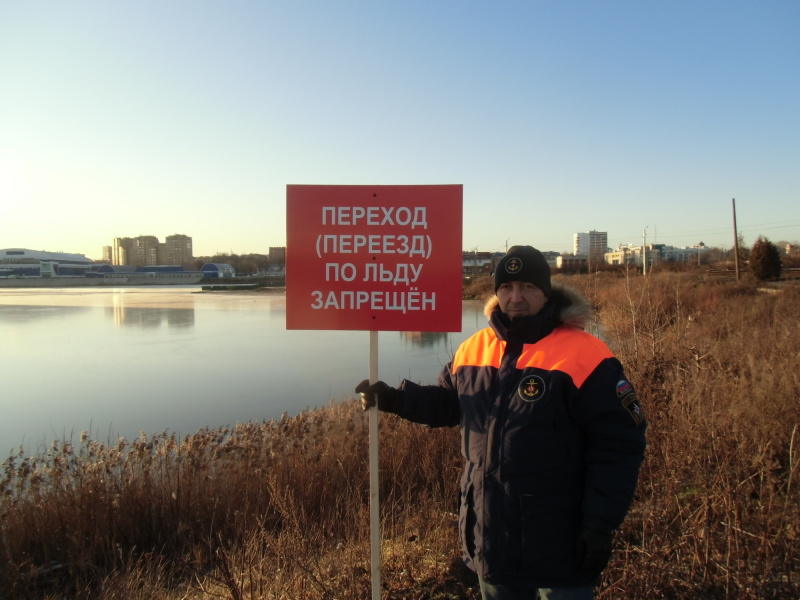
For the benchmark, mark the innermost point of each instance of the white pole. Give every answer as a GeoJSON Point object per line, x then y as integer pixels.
{"type": "Point", "coordinates": [374, 496]}
{"type": "Point", "coordinates": [644, 251]}
{"type": "Point", "coordinates": [735, 239]}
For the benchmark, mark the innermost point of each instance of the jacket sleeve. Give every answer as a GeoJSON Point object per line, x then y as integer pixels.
{"type": "Point", "coordinates": [614, 436]}
{"type": "Point", "coordinates": [432, 405]}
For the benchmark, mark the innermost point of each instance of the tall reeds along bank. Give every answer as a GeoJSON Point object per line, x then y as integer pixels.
{"type": "Point", "coordinates": [718, 368]}
{"type": "Point", "coordinates": [261, 510]}
{"type": "Point", "coordinates": [280, 509]}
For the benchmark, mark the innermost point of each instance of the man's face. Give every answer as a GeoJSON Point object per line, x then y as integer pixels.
{"type": "Point", "coordinates": [520, 299]}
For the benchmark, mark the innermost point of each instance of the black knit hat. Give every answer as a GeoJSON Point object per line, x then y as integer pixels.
{"type": "Point", "coordinates": [523, 263]}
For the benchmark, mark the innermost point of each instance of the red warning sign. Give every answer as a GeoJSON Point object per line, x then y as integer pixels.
{"type": "Point", "coordinates": [373, 258]}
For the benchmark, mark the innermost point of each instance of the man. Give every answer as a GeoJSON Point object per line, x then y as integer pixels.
{"type": "Point", "coordinates": [552, 437]}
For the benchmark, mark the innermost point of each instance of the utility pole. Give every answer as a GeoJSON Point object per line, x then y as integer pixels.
{"type": "Point", "coordinates": [644, 250]}
{"type": "Point", "coordinates": [735, 240]}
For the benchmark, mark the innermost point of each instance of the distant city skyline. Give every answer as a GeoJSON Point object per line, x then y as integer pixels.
{"type": "Point", "coordinates": [651, 240]}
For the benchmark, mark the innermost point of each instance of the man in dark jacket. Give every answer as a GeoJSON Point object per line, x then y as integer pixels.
{"type": "Point", "coordinates": [552, 435]}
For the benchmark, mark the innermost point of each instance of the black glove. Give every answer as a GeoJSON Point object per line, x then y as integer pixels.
{"type": "Point", "coordinates": [594, 552]}
{"type": "Point", "coordinates": [387, 398]}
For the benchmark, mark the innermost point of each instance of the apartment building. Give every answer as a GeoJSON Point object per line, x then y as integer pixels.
{"type": "Point", "coordinates": [146, 250]}
{"type": "Point", "coordinates": [176, 250]}
{"type": "Point", "coordinates": [277, 256]}
{"type": "Point", "coordinates": [590, 243]}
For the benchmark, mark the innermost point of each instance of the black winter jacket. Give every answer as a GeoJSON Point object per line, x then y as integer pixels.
{"type": "Point", "coordinates": [552, 435]}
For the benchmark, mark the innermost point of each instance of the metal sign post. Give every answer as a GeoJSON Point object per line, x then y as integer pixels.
{"type": "Point", "coordinates": [374, 492]}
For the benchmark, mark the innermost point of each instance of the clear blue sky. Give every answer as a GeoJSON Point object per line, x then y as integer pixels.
{"type": "Point", "coordinates": [153, 118]}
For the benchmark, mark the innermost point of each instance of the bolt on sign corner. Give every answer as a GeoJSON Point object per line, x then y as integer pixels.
{"type": "Point", "coordinates": [373, 258]}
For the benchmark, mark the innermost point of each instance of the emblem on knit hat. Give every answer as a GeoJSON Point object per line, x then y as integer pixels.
{"type": "Point", "coordinates": [531, 388]}
{"type": "Point", "coordinates": [523, 263]}
{"type": "Point", "coordinates": [513, 265]}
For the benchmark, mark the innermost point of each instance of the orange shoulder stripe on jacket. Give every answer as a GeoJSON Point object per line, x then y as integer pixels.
{"type": "Point", "coordinates": [569, 350]}
{"type": "Point", "coordinates": [482, 349]}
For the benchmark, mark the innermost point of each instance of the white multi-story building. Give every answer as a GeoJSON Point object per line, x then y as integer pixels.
{"type": "Point", "coordinates": [590, 243]}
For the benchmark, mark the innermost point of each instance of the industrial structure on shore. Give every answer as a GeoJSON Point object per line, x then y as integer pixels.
{"type": "Point", "coordinates": [20, 267]}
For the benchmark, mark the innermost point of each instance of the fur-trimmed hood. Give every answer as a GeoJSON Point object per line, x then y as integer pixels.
{"type": "Point", "coordinates": [572, 307]}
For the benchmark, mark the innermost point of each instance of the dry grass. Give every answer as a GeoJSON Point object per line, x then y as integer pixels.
{"type": "Point", "coordinates": [280, 509]}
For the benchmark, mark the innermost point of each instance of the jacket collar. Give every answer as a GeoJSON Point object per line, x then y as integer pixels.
{"type": "Point", "coordinates": [525, 330]}
{"type": "Point", "coordinates": [566, 306]}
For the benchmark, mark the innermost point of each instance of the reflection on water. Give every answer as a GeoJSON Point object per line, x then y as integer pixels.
{"type": "Point", "coordinates": [121, 361]}
{"type": "Point", "coordinates": [151, 318]}
{"type": "Point", "coordinates": [424, 339]}
{"type": "Point", "coordinates": [21, 314]}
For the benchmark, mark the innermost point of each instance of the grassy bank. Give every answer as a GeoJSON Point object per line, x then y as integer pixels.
{"type": "Point", "coordinates": [280, 509]}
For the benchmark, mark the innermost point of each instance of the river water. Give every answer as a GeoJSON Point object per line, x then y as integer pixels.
{"type": "Point", "coordinates": [120, 361]}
